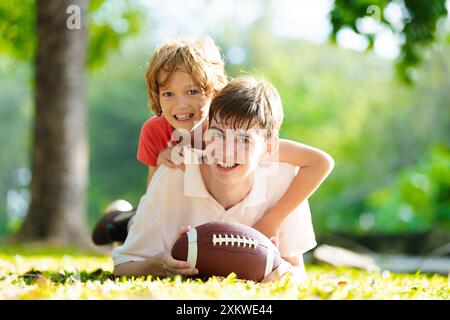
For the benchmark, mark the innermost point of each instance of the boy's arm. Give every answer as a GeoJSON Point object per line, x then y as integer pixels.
{"type": "Point", "coordinates": [162, 264]}
{"type": "Point", "coordinates": [151, 266]}
{"type": "Point", "coordinates": [315, 165]}
{"type": "Point", "coordinates": [164, 158]}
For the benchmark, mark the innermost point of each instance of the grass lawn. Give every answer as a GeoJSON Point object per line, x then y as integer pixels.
{"type": "Point", "coordinates": [45, 273]}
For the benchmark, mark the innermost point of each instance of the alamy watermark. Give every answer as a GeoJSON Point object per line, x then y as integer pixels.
{"type": "Point", "coordinates": [374, 12]}
{"type": "Point", "coordinates": [73, 21]}
{"type": "Point", "coordinates": [226, 147]}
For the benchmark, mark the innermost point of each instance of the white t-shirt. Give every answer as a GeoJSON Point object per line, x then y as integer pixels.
{"type": "Point", "coordinates": [175, 199]}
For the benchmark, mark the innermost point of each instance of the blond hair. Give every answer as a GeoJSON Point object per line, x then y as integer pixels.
{"type": "Point", "coordinates": [249, 101]}
{"type": "Point", "coordinates": [200, 57]}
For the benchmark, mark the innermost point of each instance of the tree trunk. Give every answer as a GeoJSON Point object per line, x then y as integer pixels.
{"type": "Point", "coordinates": [60, 148]}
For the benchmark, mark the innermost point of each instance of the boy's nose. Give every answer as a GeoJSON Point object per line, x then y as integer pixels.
{"type": "Point", "coordinates": [181, 102]}
{"type": "Point", "coordinates": [227, 151]}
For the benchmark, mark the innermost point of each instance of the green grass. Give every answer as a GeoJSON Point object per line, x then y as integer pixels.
{"type": "Point", "coordinates": [45, 273]}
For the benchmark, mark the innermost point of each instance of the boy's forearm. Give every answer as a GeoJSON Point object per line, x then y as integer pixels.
{"type": "Point", "coordinates": [304, 184]}
{"type": "Point", "coordinates": [315, 165]}
{"type": "Point", "coordinates": [147, 267]}
{"type": "Point", "coordinates": [301, 155]}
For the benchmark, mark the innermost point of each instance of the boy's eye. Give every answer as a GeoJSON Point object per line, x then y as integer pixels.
{"type": "Point", "coordinates": [244, 140]}
{"type": "Point", "coordinates": [217, 134]}
{"type": "Point", "coordinates": [167, 94]}
{"type": "Point", "coordinates": [192, 92]}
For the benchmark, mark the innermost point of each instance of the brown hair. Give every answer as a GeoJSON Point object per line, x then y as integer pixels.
{"type": "Point", "coordinates": [200, 57]}
{"type": "Point", "coordinates": [247, 100]}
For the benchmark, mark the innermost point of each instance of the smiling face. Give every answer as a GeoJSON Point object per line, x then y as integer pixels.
{"type": "Point", "coordinates": [184, 103]}
{"type": "Point", "coordinates": [233, 153]}
{"type": "Point", "coordinates": [244, 120]}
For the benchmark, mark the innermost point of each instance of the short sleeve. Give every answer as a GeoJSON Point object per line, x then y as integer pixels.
{"type": "Point", "coordinates": [296, 232]}
{"type": "Point", "coordinates": [144, 238]}
{"type": "Point", "coordinates": [147, 153]}
{"type": "Point", "coordinates": [155, 134]}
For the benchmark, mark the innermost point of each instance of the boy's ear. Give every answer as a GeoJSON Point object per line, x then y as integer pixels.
{"type": "Point", "coordinates": [212, 94]}
{"type": "Point", "coordinates": [272, 146]}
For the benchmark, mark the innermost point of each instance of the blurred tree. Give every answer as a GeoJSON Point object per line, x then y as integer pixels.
{"type": "Point", "coordinates": [60, 149]}
{"type": "Point", "coordinates": [417, 24]}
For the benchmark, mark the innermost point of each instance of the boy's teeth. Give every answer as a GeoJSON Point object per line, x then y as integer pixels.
{"type": "Point", "coordinates": [223, 165]}
{"type": "Point", "coordinates": [184, 116]}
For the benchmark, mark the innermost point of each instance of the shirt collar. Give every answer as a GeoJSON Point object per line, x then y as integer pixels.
{"type": "Point", "coordinates": [194, 185]}
{"type": "Point", "coordinates": [193, 181]}
{"type": "Point", "coordinates": [257, 195]}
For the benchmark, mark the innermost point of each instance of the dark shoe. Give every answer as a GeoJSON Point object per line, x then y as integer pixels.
{"type": "Point", "coordinates": [113, 226]}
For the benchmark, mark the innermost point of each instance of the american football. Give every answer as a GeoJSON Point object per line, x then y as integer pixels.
{"type": "Point", "coordinates": [220, 248]}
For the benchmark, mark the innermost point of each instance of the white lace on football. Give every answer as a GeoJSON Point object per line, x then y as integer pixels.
{"type": "Point", "coordinates": [233, 240]}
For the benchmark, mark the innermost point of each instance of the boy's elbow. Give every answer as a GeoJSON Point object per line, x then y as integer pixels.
{"type": "Point", "coordinates": [330, 163]}
{"type": "Point", "coordinates": [116, 271]}
{"type": "Point", "coordinates": [327, 163]}
{"type": "Point", "coordinates": [121, 270]}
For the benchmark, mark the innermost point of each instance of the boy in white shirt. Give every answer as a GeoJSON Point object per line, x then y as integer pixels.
{"type": "Point", "coordinates": [225, 182]}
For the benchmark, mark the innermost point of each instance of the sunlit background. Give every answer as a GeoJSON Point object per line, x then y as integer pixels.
{"type": "Point", "coordinates": [390, 140]}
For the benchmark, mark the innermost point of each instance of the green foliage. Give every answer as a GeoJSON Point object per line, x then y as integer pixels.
{"type": "Point", "coordinates": [419, 196]}
{"type": "Point", "coordinates": [15, 120]}
{"type": "Point", "coordinates": [52, 276]}
{"type": "Point", "coordinates": [419, 24]}
{"type": "Point", "coordinates": [65, 277]}
{"type": "Point", "coordinates": [109, 23]}
{"type": "Point", "coordinates": [349, 105]}
{"type": "Point", "coordinates": [17, 27]}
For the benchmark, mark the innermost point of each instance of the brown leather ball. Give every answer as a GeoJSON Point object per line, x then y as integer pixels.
{"type": "Point", "coordinates": [220, 248]}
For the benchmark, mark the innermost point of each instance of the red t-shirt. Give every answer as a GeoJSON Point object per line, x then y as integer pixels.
{"type": "Point", "coordinates": [156, 132]}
